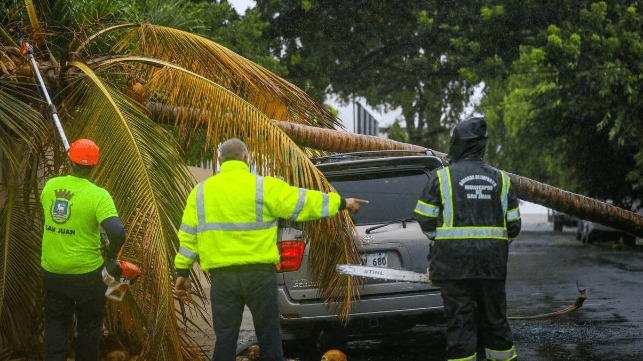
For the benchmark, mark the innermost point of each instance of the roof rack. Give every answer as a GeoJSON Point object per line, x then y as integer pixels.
{"type": "Point", "coordinates": [370, 153]}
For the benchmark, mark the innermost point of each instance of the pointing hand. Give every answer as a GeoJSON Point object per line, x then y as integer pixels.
{"type": "Point", "coordinates": [353, 204]}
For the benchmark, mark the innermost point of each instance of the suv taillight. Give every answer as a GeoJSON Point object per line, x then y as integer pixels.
{"type": "Point", "coordinates": [291, 253]}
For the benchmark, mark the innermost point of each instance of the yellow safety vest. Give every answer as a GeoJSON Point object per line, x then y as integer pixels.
{"type": "Point", "coordinates": [231, 218]}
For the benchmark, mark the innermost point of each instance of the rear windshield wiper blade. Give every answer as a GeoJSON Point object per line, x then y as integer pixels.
{"type": "Point", "coordinates": [403, 221]}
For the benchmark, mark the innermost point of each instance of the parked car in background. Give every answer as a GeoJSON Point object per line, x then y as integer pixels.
{"type": "Point", "coordinates": [591, 232]}
{"type": "Point", "coordinates": [390, 237]}
{"type": "Point", "coordinates": [560, 220]}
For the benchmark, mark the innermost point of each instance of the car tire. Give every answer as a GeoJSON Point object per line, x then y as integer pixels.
{"type": "Point", "coordinates": [297, 348]}
{"type": "Point", "coordinates": [332, 337]}
{"type": "Point", "coordinates": [592, 237]}
{"type": "Point", "coordinates": [629, 240]}
{"type": "Point", "coordinates": [558, 226]}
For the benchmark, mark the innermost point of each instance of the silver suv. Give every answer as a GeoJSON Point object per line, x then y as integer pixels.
{"type": "Point", "coordinates": [391, 237]}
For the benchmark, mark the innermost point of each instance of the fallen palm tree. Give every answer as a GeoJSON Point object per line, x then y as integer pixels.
{"type": "Point", "coordinates": [528, 189]}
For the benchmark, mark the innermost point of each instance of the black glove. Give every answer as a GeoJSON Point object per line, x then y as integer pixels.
{"type": "Point", "coordinates": [113, 268]}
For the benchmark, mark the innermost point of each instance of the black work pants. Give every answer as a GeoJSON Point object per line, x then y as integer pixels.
{"type": "Point", "coordinates": [475, 307]}
{"type": "Point", "coordinates": [233, 288]}
{"type": "Point", "coordinates": [68, 295]}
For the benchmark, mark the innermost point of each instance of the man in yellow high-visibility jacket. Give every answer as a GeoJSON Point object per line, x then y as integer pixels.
{"type": "Point", "coordinates": [230, 224]}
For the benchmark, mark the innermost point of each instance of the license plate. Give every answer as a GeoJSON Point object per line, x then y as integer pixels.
{"type": "Point", "coordinates": [379, 259]}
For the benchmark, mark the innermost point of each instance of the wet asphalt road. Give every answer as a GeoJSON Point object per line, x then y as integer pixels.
{"type": "Point", "coordinates": [544, 270]}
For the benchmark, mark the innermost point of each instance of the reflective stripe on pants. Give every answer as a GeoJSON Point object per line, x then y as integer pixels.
{"type": "Point", "coordinates": [504, 355]}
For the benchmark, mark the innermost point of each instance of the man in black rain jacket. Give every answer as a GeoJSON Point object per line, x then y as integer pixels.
{"type": "Point", "coordinates": [470, 212]}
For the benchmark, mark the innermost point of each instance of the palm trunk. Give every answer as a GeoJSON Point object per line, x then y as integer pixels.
{"type": "Point", "coordinates": [527, 189]}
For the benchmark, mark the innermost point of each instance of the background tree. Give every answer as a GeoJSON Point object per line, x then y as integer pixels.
{"type": "Point", "coordinates": [397, 53]}
{"type": "Point", "coordinates": [576, 97]}
{"type": "Point", "coordinates": [558, 80]}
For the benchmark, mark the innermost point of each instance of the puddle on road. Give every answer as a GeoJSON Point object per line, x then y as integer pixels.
{"type": "Point", "coordinates": [591, 341]}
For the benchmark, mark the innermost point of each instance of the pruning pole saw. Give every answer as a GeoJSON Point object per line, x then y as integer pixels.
{"type": "Point", "coordinates": [116, 286]}
{"type": "Point", "coordinates": [27, 50]}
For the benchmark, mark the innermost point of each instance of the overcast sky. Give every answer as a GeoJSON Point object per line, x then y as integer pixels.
{"type": "Point", "coordinates": [241, 5]}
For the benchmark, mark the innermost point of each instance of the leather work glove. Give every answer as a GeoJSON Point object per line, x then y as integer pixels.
{"type": "Point", "coordinates": [113, 268]}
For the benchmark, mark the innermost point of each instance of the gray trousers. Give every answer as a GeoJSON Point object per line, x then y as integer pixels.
{"type": "Point", "coordinates": [233, 288]}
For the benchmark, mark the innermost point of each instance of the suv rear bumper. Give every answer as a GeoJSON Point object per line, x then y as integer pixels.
{"type": "Point", "coordinates": [301, 312]}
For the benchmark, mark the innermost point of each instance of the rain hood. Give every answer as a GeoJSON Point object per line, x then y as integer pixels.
{"type": "Point", "coordinates": [468, 140]}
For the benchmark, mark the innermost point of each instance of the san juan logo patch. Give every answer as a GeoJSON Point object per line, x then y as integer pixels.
{"type": "Point", "coordinates": [478, 186]}
{"type": "Point", "coordinates": [61, 209]}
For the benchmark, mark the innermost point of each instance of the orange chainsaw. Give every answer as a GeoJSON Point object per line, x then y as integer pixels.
{"type": "Point", "coordinates": [117, 286]}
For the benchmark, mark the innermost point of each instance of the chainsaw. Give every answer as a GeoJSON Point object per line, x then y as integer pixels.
{"type": "Point", "coordinates": [382, 273]}
{"type": "Point", "coordinates": [118, 286]}
{"type": "Point", "coordinates": [410, 276]}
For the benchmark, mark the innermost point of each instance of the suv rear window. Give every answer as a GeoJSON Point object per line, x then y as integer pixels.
{"type": "Point", "coordinates": [392, 196]}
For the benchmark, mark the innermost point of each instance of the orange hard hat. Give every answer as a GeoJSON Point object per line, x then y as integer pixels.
{"type": "Point", "coordinates": [84, 152]}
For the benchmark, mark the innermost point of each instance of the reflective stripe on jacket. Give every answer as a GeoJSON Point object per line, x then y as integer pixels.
{"type": "Point", "coordinates": [470, 210]}
{"type": "Point", "coordinates": [449, 230]}
{"type": "Point", "coordinates": [231, 218]}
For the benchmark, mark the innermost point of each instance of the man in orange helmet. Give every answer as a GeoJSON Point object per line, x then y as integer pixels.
{"type": "Point", "coordinates": [74, 211]}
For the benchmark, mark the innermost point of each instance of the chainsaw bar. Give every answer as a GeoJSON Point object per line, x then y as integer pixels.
{"type": "Point", "coordinates": [382, 273]}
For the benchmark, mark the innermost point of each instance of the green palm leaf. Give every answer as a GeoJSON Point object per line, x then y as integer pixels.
{"type": "Point", "coordinates": [223, 114]}
{"type": "Point", "coordinates": [139, 163]}
{"type": "Point", "coordinates": [271, 94]}
{"type": "Point", "coordinates": [23, 133]}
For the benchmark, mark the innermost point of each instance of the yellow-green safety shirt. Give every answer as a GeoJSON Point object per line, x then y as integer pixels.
{"type": "Point", "coordinates": [73, 210]}
{"type": "Point", "coordinates": [231, 218]}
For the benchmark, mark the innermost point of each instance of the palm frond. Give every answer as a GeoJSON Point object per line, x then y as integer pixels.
{"type": "Point", "coordinates": [35, 23]}
{"type": "Point", "coordinates": [23, 134]}
{"type": "Point", "coordinates": [20, 285]}
{"type": "Point", "coordinates": [19, 122]}
{"type": "Point", "coordinates": [271, 94]}
{"type": "Point", "coordinates": [224, 115]}
{"type": "Point", "coordinates": [139, 162]}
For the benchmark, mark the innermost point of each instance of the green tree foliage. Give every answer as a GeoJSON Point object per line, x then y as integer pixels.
{"type": "Point", "coordinates": [242, 34]}
{"type": "Point", "coordinates": [560, 80]}
{"type": "Point", "coordinates": [404, 54]}
{"type": "Point", "coordinates": [397, 132]}
{"type": "Point", "coordinates": [576, 96]}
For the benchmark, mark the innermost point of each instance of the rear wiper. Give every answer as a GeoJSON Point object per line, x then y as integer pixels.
{"type": "Point", "coordinates": [404, 220]}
